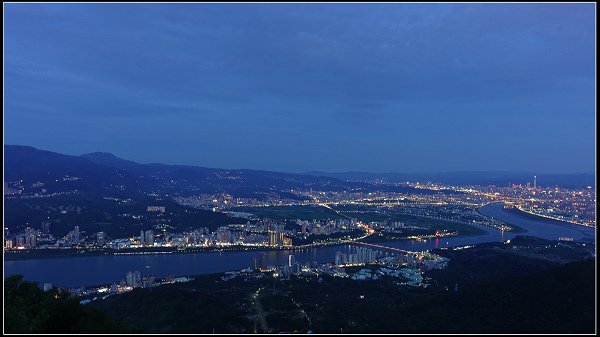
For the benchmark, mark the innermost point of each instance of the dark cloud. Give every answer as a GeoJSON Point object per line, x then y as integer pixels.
{"type": "Point", "coordinates": [413, 79]}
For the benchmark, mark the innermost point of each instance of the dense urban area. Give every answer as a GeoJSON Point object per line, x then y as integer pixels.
{"type": "Point", "coordinates": [153, 211]}
{"type": "Point", "coordinates": [323, 217]}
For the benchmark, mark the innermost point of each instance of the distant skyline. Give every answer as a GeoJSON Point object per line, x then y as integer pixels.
{"type": "Point", "coordinates": [307, 87]}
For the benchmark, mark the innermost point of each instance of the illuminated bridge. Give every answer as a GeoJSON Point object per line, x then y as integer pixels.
{"type": "Point", "coordinates": [383, 247]}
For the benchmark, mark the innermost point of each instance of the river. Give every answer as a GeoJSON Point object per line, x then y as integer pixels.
{"type": "Point", "coordinates": [98, 270]}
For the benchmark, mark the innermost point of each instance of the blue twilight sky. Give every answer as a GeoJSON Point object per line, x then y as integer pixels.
{"type": "Point", "coordinates": [300, 87]}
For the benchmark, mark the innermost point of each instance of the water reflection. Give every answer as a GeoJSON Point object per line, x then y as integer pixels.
{"type": "Point", "coordinates": [95, 270]}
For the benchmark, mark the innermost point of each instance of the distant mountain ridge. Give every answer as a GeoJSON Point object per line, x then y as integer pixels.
{"type": "Point", "coordinates": [54, 170]}
{"type": "Point", "coordinates": [97, 190]}
{"type": "Point", "coordinates": [105, 171]}
{"type": "Point", "coordinates": [101, 192]}
{"type": "Point", "coordinates": [109, 159]}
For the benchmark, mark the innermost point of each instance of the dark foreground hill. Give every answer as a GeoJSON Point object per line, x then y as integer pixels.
{"type": "Point", "coordinates": [558, 299]}
{"type": "Point", "coordinates": [525, 286]}
{"type": "Point", "coordinates": [27, 310]}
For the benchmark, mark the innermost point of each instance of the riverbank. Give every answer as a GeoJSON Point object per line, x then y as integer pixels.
{"type": "Point", "coordinates": [37, 254]}
{"type": "Point", "coordinates": [543, 218]}
{"type": "Point", "coordinates": [536, 226]}
{"type": "Point", "coordinates": [390, 237]}
{"type": "Point", "coordinates": [515, 229]}
{"type": "Point", "coordinates": [463, 228]}
{"type": "Point", "coordinates": [28, 254]}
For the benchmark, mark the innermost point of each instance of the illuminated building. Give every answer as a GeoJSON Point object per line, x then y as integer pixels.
{"type": "Point", "coordinates": [149, 237]}
{"type": "Point", "coordinates": [45, 228]}
{"type": "Point", "coordinates": [47, 286]}
{"type": "Point", "coordinates": [272, 238]}
{"type": "Point", "coordinates": [147, 281]}
{"type": "Point", "coordinates": [76, 235]}
{"type": "Point", "coordinates": [101, 238]}
{"type": "Point", "coordinates": [31, 240]}
{"type": "Point", "coordinates": [134, 279]}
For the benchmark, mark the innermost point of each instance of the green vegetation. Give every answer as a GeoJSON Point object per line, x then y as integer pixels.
{"type": "Point", "coordinates": [468, 269]}
{"type": "Point", "coordinates": [462, 229]}
{"type": "Point", "coordinates": [516, 229]}
{"type": "Point", "coordinates": [116, 218]}
{"type": "Point", "coordinates": [292, 212]}
{"type": "Point", "coordinates": [557, 300]}
{"type": "Point", "coordinates": [502, 288]}
{"type": "Point", "coordinates": [400, 235]}
{"type": "Point", "coordinates": [333, 237]}
{"type": "Point", "coordinates": [204, 305]}
{"type": "Point", "coordinates": [369, 214]}
{"type": "Point", "coordinates": [27, 309]}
